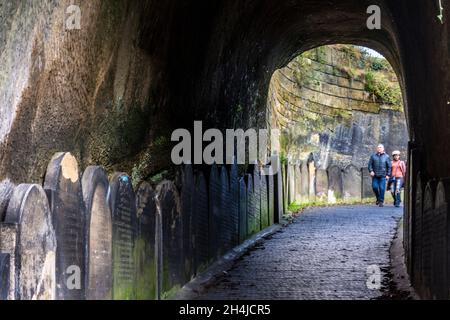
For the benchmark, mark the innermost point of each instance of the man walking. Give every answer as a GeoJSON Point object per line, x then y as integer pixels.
{"type": "Point", "coordinates": [380, 170]}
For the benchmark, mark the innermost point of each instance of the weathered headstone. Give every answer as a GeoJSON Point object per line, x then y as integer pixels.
{"type": "Point", "coordinates": [243, 230]}
{"type": "Point", "coordinates": [234, 204]}
{"type": "Point", "coordinates": [63, 188]}
{"type": "Point", "coordinates": [187, 193]}
{"type": "Point", "coordinates": [257, 197]}
{"type": "Point", "coordinates": [290, 176]}
{"type": "Point", "coordinates": [144, 246]}
{"type": "Point", "coordinates": [98, 281]}
{"type": "Point", "coordinates": [321, 184]}
{"type": "Point", "coordinates": [271, 197]}
{"type": "Point", "coordinates": [251, 199]}
{"type": "Point", "coordinates": [122, 202]}
{"type": "Point", "coordinates": [334, 184]}
{"type": "Point", "coordinates": [427, 234]}
{"type": "Point", "coordinates": [417, 239]}
{"type": "Point", "coordinates": [351, 181]}
{"type": "Point", "coordinates": [312, 181]}
{"type": "Point", "coordinates": [298, 182]}
{"type": "Point", "coordinates": [264, 203]}
{"type": "Point", "coordinates": [284, 180]}
{"type": "Point", "coordinates": [214, 212]}
{"type": "Point", "coordinates": [4, 275]}
{"type": "Point", "coordinates": [8, 245]}
{"type": "Point", "coordinates": [440, 270]}
{"type": "Point", "coordinates": [200, 225]}
{"type": "Point", "coordinates": [304, 192]}
{"type": "Point", "coordinates": [36, 244]}
{"type": "Point", "coordinates": [168, 208]}
{"type": "Point", "coordinates": [6, 190]}
{"type": "Point", "coordinates": [225, 227]}
{"type": "Point", "coordinates": [278, 194]}
{"type": "Point", "coordinates": [366, 184]}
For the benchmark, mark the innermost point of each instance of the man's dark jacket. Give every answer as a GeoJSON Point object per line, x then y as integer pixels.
{"type": "Point", "coordinates": [380, 164]}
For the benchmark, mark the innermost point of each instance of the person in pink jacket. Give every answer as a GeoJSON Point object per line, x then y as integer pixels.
{"type": "Point", "coordinates": [397, 177]}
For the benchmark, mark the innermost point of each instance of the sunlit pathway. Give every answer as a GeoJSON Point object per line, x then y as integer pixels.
{"type": "Point", "coordinates": [324, 254]}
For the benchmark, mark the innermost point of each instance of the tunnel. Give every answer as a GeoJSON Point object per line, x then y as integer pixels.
{"type": "Point", "coordinates": [112, 90]}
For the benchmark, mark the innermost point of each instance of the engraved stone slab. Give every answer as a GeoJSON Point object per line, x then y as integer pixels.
{"type": "Point", "coordinates": [214, 212]}
{"type": "Point", "coordinates": [417, 239]}
{"type": "Point", "coordinates": [251, 199]}
{"type": "Point", "coordinates": [321, 184]}
{"type": "Point", "coordinates": [366, 182]}
{"type": "Point", "coordinates": [234, 204]}
{"type": "Point", "coordinates": [298, 182]}
{"type": "Point", "coordinates": [304, 182]}
{"type": "Point", "coordinates": [311, 181]}
{"type": "Point", "coordinates": [334, 184]}
{"type": "Point", "coordinates": [8, 245]}
{"type": "Point", "coordinates": [6, 190]}
{"type": "Point", "coordinates": [257, 197]}
{"type": "Point", "coordinates": [145, 243]}
{"type": "Point", "coordinates": [4, 275]}
{"type": "Point", "coordinates": [264, 203]}
{"type": "Point", "coordinates": [200, 225]}
{"type": "Point", "coordinates": [427, 234]}
{"type": "Point", "coordinates": [98, 280]}
{"type": "Point", "coordinates": [122, 202]}
{"type": "Point", "coordinates": [290, 176]}
{"type": "Point", "coordinates": [187, 193]}
{"type": "Point", "coordinates": [225, 226]}
{"type": "Point", "coordinates": [271, 197]}
{"type": "Point", "coordinates": [351, 179]}
{"type": "Point", "coordinates": [36, 244]}
{"type": "Point", "coordinates": [168, 206]}
{"type": "Point", "coordinates": [243, 230]}
{"type": "Point", "coordinates": [63, 188]}
{"type": "Point", "coordinates": [278, 194]}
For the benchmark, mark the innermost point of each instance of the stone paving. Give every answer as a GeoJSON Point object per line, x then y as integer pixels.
{"type": "Point", "coordinates": [323, 254]}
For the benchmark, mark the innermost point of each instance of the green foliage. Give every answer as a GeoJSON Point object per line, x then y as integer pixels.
{"type": "Point", "coordinates": [383, 89]}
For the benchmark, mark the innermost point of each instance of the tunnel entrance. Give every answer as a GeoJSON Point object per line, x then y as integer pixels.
{"type": "Point", "coordinates": [333, 106]}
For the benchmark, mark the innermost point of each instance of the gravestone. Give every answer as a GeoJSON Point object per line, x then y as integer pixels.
{"type": "Point", "coordinates": [271, 197]}
{"type": "Point", "coordinates": [214, 212]}
{"type": "Point", "coordinates": [122, 202]}
{"type": "Point", "coordinates": [427, 234]}
{"type": "Point", "coordinates": [63, 188]}
{"type": "Point", "coordinates": [187, 192]}
{"type": "Point", "coordinates": [321, 184]}
{"type": "Point", "coordinates": [278, 194]}
{"type": "Point", "coordinates": [298, 182]}
{"type": "Point", "coordinates": [225, 227]}
{"type": "Point", "coordinates": [36, 244]}
{"type": "Point", "coordinates": [251, 200]}
{"type": "Point", "coordinates": [312, 181]}
{"type": "Point", "coordinates": [440, 241]}
{"type": "Point", "coordinates": [304, 192]}
{"type": "Point", "coordinates": [243, 229]}
{"type": "Point", "coordinates": [98, 233]}
{"type": "Point", "coordinates": [145, 243]}
{"type": "Point", "coordinates": [6, 190]}
{"type": "Point", "coordinates": [200, 225]}
{"type": "Point", "coordinates": [264, 203]}
{"type": "Point", "coordinates": [417, 239]}
{"type": "Point", "coordinates": [171, 270]}
{"type": "Point", "coordinates": [284, 198]}
{"type": "Point", "coordinates": [334, 184]}
{"type": "Point", "coordinates": [234, 204]}
{"type": "Point", "coordinates": [351, 182]}
{"type": "Point", "coordinates": [290, 176]}
{"type": "Point", "coordinates": [4, 275]}
{"type": "Point", "coordinates": [257, 197]}
{"type": "Point", "coordinates": [8, 245]}
{"type": "Point", "coordinates": [366, 184]}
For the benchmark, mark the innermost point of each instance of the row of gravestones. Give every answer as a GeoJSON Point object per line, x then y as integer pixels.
{"type": "Point", "coordinates": [87, 237]}
{"type": "Point", "coordinates": [429, 232]}
{"type": "Point", "coordinates": [303, 182]}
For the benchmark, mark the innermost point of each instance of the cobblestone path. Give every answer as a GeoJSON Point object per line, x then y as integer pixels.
{"type": "Point", "coordinates": [323, 254]}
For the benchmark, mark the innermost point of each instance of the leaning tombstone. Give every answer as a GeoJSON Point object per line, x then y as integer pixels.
{"type": "Point", "coordinates": [366, 184]}
{"type": "Point", "coordinates": [98, 233]}
{"type": "Point", "coordinates": [312, 181]}
{"type": "Point", "coordinates": [351, 183]}
{"type": "Point", "coordinates": [170, 241]}
{"type": "Point", "coordinates": [298, 182]}
{"type": "Point", "coordinates": [123, 210]}
{"type": "Point", "coordinates": [4, 275]}
{"type": "Point", "coordinates": [36, 244]}
{"type": "Point", "coordinates": [334, 183]}
{"type": "Point", "coordinates": [304, 183]}
{"type": "Point", "coordinates": [63, 188]}
{"type": "Point", "coordinates": [321, 184]}
{"type": "Point", "coordinates": [144, 246]}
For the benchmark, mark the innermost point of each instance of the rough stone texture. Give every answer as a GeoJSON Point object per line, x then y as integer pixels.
{"type": "Point", "coordinates": [251, 208]}
{"type": "Point", "coordinates": [234, 204]}
{"type": "Point", "coordinates": [324, 254]}
{"type": "Point", "coordinates": [298, 182]}
{"type": "Point", "coordinates": [201, 225]}
{"type": "Point", "coordinates": [35, 245]}
{"type": "Point", "coordinates": [6, 190]}
{"type": "Point", "coordinates": [366, 191]}
{"type": "Point", "coordinates": [225, 228]}
{"type": "Point", "coordinates": [98, 233]}
{"type": "Point", "coordinates": [63, 188]}
{"type": "Point", "coordinates": [351, 186]}
{"type": "Point", "coordinates": [335, 184]}
{"type": "Point", "coordinates": [214, 212]}
{"type": "Point", "coordinates": [186, 193]}
{"type": "Point", "coordinates": [257, 197]}
{"type": "Point", "coordinates": [145, 243]}
{"type": "Point", "coordinates": [271, 198]}
{"type": "Point", "coordinates": [304, 182]}
{"type": "Point", "coordinates": [264, 203]}
{"type": "Point", "coordinates": [417, 229]}
{"type": "Point", "coordinates": [168, 203]}
{"type": "Point", "coordinates": [311, 181]}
